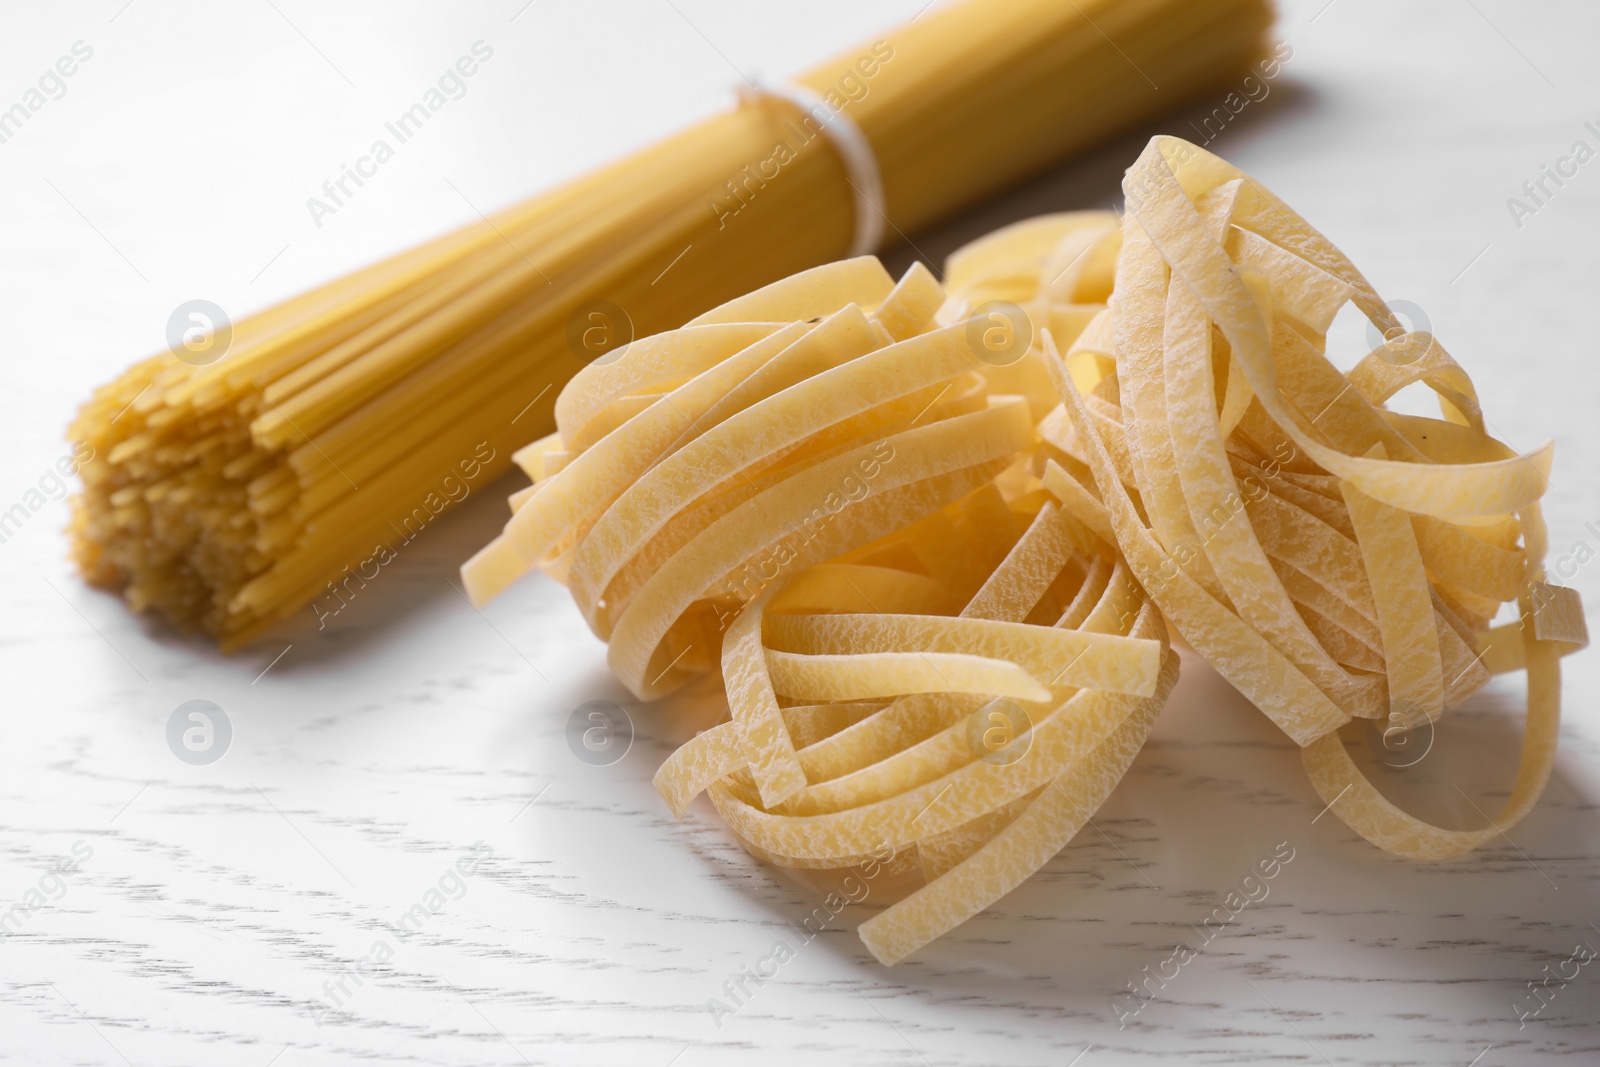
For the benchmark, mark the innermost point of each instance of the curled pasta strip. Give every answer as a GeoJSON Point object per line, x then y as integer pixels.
{"type": "Point", "coordinates": [824, 490]}
{"type": "Point", "coordinates": [1334, 560]}
{"type": "Point", "coordinates": [932, 536]}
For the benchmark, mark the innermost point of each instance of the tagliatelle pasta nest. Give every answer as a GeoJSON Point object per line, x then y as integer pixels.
{"type": "Point", "coordinates": [933, 536]}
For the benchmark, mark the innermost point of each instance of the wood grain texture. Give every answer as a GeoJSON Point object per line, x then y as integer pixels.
{"type": "Point", "coordinates": [400, 859]}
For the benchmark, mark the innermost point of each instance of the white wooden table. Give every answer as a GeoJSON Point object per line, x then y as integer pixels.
{"type": "Point", "coordinates": [240, 912]}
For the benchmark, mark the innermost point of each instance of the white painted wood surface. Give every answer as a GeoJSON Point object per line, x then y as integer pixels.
{"type": "Point", "coordinates": [157, 912]}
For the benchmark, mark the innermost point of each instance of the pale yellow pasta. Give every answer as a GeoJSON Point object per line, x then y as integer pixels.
{"type": "Point", "coordinates": [824, 489]}
{"type": "Point", "coordinates": [937, 576]}
{"type": "Point", "coordinates": [1389, 541]}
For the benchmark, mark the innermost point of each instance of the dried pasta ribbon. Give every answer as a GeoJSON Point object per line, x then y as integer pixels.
{"type": "Point", "coordinates": [1331, 558]}
{"type": "Point", "coordinates": [825, 489]}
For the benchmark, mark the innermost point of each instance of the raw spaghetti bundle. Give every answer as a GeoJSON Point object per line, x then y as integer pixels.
{"type": "Point", "coordinates": [934, 558]}
{"type": "Point", "coordinates": [341, 423]}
